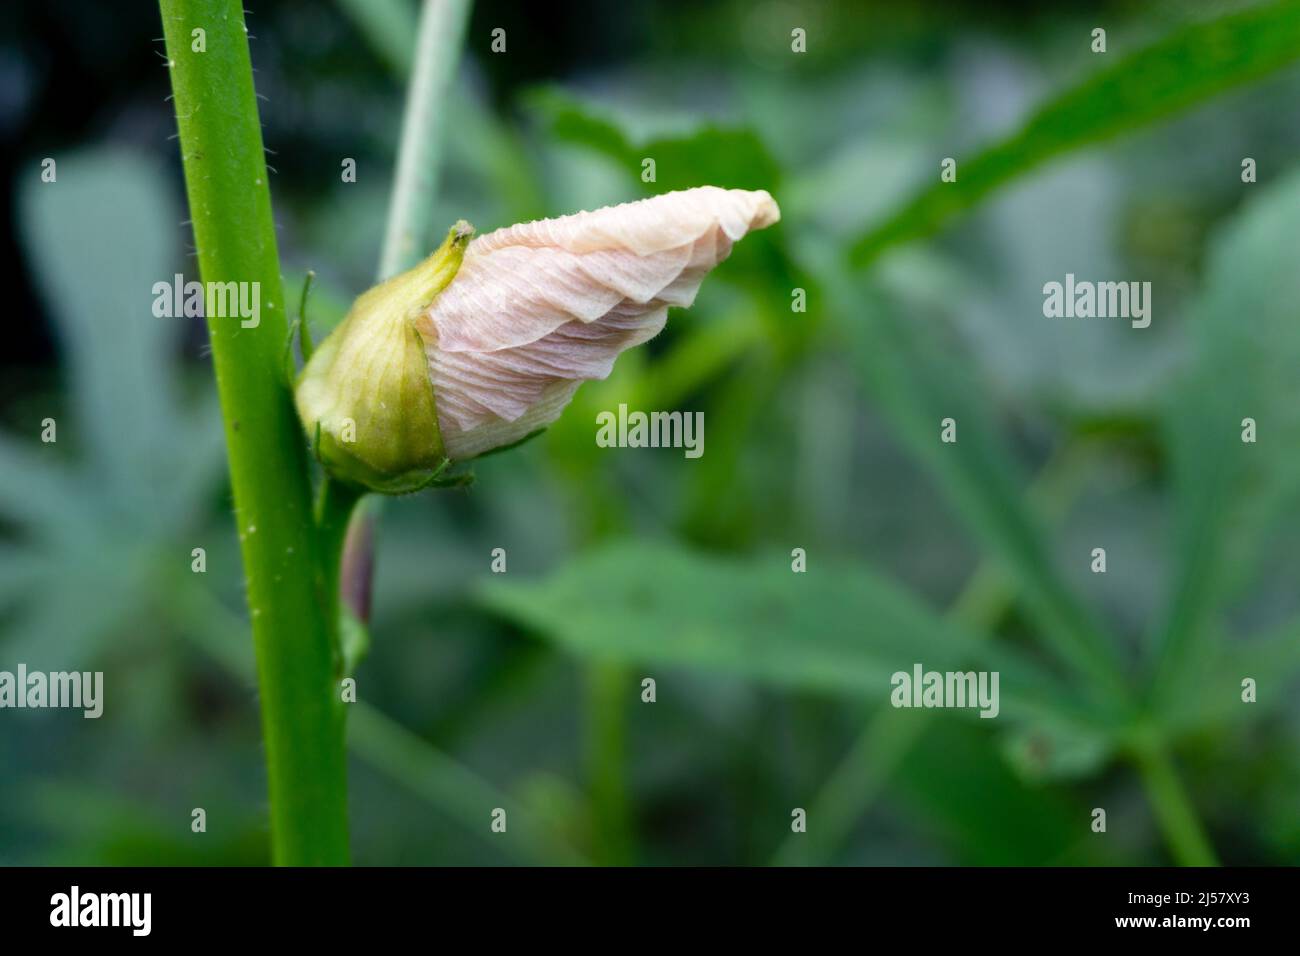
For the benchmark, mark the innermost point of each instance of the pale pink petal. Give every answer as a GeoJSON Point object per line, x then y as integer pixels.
{"type": "Point", "coordinates": [540, 307]}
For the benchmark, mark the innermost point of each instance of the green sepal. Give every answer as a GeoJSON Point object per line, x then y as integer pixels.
{"type": "Point", "coordinates": [366, 389]}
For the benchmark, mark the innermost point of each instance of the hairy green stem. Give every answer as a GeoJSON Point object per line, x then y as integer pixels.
{"type": "Point", "coordinates": [293, 631]}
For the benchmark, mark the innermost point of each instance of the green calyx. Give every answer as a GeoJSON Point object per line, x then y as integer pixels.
{"type": "Point", "coordinates": [365, 396]}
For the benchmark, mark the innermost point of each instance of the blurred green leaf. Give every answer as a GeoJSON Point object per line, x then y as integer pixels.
{"type": "Point", "coordinates": [1207, 694]}
{"type": "Point", "coordinates": [105, 519]}
{"type": "Point", "coordinates": [1228, 492]}
{"type": "Point", "coordinates": [709, 155]}
{"type": "Point", "coordinates": [97, 241]}
{"type": "Point", "coordinates": [838, 627]}
{"type": "Point", "coordinates": [448, 785]}
{"type": "Point", "coordinates": [393, 750]}
{"type": "Point", "coordinates": [917, 385]}
{"type": "Point", "coordinates": [956, 783]}
{"type": "Point", "coordinates": [99, 827]}
{"type": "Point", "coordinates": [37, 491]}
{"type": "Point", "coordinates": [1192, 65]}
{"type": "Point", "coordinates": [388, 26]}
{"type": "Point", "coordinates": [1049, 752]}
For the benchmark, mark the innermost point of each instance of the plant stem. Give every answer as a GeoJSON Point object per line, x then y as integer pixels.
{"type": "Point", "coordinates": [230, 207]}
{"type": "Point", "coordinates": [437, 48]}
{"type": "Point", "coordinates": [1178, 819]}
{"type": "Point", "coordinates": [606, 716]}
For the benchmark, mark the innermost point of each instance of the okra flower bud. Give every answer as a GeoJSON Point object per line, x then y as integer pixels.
{"type": "Point", "coordinates": [485, 342]}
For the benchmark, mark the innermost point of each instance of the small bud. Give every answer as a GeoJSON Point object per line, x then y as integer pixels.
{"type": "Point", "coordinates": [430, 369]}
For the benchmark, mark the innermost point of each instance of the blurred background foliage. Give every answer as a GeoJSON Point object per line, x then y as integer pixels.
{"type": "Point", "coordinates": [523, 690]}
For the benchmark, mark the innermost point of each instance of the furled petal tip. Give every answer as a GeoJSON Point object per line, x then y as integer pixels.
{"type": "Point", "coordinates": [538, 308]}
